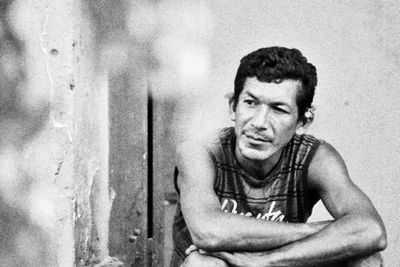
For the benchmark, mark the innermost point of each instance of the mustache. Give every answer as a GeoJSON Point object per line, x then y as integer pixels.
{"type": "Point", "coordinates": [257, 135]}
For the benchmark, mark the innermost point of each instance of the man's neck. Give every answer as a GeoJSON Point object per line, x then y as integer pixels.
{"type": "Point", "coordinates": [258, 169]}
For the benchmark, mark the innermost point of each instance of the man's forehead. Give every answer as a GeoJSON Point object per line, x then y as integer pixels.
{"type": "Point", "coordinates": [256, 81]}
{"type": "Point", "coordinates": [283, 89]}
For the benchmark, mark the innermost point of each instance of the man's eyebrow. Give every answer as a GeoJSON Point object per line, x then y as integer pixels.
{"type": "Point", "coordinates": [250, 94]}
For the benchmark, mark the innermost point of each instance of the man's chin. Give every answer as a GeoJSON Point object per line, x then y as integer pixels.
{"type": "Point", "coordinates": [254, 154]}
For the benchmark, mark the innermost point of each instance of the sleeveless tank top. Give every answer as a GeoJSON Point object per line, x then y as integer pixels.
{"type": "Point", "coordinates": [281, 196]}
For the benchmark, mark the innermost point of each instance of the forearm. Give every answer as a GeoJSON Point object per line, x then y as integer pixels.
{"type": "Point", "coordinates": [258, 259]}
{"type": "Point", "coordinates": [230, 232]}
{"type": "Point", "coordinates": [346, 238]}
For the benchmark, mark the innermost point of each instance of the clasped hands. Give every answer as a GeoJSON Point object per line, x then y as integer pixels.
{"type": "Point", "coordinates": [199, 257]}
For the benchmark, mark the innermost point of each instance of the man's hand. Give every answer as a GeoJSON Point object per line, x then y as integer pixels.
{"type": "Point", "coordinates": [242, 259]}
{"type": "Point", "coordinates": [195, 259]}
{"type": "Point", "coordinates": [259, 259]}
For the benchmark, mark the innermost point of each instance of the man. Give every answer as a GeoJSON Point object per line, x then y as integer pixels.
{"type": "Point", "coordinates": [265, 170]}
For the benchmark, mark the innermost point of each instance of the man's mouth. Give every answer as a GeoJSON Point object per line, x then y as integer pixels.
{"type": "Point", "coordinates": [257, 138]}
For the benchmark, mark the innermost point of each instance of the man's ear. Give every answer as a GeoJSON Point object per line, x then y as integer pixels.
{"type": "Point", "coordinates": [303, 125]}
{"type": "Point", "coordinates": [232, 109]}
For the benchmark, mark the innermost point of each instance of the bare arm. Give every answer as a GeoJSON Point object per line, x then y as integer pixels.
{"type": "Point", "coordinates": [214, 230]}
{"type": "Point", "coordinates": [357, 231]}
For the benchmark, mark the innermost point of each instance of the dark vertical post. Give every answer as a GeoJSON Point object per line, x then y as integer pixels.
{"type": "Point", "coordinates": [128, 166]}
{"type": "Point", "coordinates": [163, 167]}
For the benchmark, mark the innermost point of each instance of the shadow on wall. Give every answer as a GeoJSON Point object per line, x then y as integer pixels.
{"type": "Point", "coordinates": [22, 242]}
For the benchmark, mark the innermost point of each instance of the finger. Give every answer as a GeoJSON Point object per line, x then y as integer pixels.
{"type": "Point", "coordinates": [223, 255]}
{"type": "Point", "coordinates": [190, 249]}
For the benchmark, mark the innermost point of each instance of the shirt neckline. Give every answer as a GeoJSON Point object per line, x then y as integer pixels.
{"type": "Point", "coordinates": [271, 175]}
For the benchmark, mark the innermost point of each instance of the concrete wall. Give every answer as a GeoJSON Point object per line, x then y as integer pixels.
{"type": "Point", "coordinates": [74, 138]}
{"type": "Point", "coordinates": [44, 166]}
{"type": "Point", "coordinates": [355, 47]}
{"type": "Point", "coordinates": [61, 110]}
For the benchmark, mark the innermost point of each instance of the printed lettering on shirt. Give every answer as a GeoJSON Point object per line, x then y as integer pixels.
{"type": "Point", "coordinates": [231, 206]}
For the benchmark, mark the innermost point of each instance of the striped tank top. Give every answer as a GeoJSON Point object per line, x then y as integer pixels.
{"type": "Point", "coordinates": [282, 196]}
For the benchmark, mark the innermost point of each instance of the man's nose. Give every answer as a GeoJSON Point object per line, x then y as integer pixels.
{"type": "Point", "coordinates": [260, 119]}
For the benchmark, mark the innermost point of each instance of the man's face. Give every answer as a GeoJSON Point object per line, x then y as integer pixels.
{"type": "Point", "coordinates": [266, 118]}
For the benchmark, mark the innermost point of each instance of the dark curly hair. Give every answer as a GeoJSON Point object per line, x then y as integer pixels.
{"type": "Point", "coordinates": [273, 64]}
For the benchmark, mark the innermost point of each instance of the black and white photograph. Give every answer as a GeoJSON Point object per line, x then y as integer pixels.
{"type": "Point", "coordinates": [199, 133]}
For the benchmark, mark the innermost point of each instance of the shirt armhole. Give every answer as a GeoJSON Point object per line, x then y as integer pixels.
{"type": "Point", "coordinates": [314, 198]}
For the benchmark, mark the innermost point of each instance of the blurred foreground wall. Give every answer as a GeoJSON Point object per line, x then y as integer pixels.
{"type": "Point", "coordinates": [73, 146]}
{"type": "Point", "coordinates": [55, 139]}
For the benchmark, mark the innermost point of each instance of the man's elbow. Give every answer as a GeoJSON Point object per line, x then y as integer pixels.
{"type": "Point", "coordinates": [207, 244]}
{"type": "Point", "coordinates": [382, 243]}
{"type": "Point", "coordinates": [379, 239]}
{"type": "Point", "coordinates": [382, 239]}
{"type": "Point", "coordinates": [207, 238]}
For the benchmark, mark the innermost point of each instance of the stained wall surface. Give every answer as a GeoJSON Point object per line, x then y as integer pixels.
{"type": "Point", "coordinates": [355, 47]}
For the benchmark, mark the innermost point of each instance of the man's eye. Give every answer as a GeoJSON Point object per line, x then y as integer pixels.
{"type": "Point", "coordinates": [249, 102]}
{"type": "Point", "coordinates": [280, 110]}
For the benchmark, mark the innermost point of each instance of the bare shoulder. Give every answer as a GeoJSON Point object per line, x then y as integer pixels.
{"type": "Point", "coordinates": [188, 145]}
{"type": "Point", "coordinates": [325, 154]}
{"type": "Point", "coordinates": [191, 152]}
{"type": "Point", "coordinates": [196, 168]}
{"type": "Point", "coordinates": [327, 167]}
{"type": "Point", "coordinates": [195, 181]}
{"type": "Point", "coordinates": [195, 149]}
